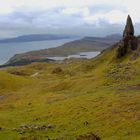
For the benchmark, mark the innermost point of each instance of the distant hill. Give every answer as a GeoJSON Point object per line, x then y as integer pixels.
{"type": "Point", "coordinates": [107, 39]}
{"type": "Point", "coordinates": [87, 44]}
{"type": "Point", "coordinates": [35, 37]}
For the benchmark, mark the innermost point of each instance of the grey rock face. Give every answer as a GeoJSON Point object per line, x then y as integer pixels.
{"type": "Point", "coordinates": [129, 28]}
{"type": "Point", "coordinates": [129, 41]}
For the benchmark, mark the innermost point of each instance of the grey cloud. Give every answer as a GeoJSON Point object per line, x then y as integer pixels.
{"type": "Point", "coordinates": [53, 21]}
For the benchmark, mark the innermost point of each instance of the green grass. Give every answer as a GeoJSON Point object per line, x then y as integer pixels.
{"type": "Point", "coordinates": [100, 91]}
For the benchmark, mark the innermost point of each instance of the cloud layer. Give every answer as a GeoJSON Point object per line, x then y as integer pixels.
{"type": "Point", "coordinates": [81, 17]}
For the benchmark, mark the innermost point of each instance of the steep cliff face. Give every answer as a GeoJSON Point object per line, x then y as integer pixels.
{"type": "Point", "coordinates": [129, 41]}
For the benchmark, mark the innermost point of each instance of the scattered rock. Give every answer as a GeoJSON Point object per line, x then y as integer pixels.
{"type": "Point", "coordinates": [21, 132]}
{"type": "Point", "coordinates": [44, 127]}
{"type": "Point", "coordinates": [29, 103]}
{"type": "Point", "coordinates": [37, 127]}
{"type": "Point", "coordinates": [49, 126]}
{"type": "Point", "coordinates": [36, 119]}
{"type": "Point", "coordinates": [86, 123]}
{"type": "Point", "coordinates": [23, 128]}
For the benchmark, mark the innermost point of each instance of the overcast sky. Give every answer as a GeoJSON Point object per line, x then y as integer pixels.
{"type": "Point", "coordinates": [78, 17]}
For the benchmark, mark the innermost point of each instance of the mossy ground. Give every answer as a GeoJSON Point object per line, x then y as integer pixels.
{"type": "Point", "coordinates": [99, 96]}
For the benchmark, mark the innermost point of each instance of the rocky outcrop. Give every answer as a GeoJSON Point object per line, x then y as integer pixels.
{"type": "Point", "coordinates": [129, 41]}
{"type": "Point", "coordinates": [129, 28]}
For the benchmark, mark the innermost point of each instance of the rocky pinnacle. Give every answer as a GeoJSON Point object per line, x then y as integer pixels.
{"type": "Point", "coordinates": [129, 28]}
{"type": "Point", "coordinates": [129, 41]}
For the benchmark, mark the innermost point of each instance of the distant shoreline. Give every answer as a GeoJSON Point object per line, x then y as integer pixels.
{"type": "Point", "coordinates": [36, 37]}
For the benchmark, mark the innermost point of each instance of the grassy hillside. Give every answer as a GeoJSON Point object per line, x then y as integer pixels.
{"type": "Point", "coordinates": [100, 95]}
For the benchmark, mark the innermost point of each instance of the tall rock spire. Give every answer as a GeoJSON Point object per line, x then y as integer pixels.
{"type": "Point", "coordinates": [129, 28]}
{"type": "Point", "coordinates": [129, 41]}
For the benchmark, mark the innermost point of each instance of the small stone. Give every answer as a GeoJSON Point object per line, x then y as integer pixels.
{"type": "Point", "coordinates": [14, 129]}
{"type": "Point", "coordinates": [44, 127]}
{"type": "Point", "coordinates": [24, 127]}
{"type": "Point", "coordinates": [36, 119]}
{"type": "Point", "coordinates": [21, 132]}
{"type": "Point", "coordinates": [49, 126]}
{"type": "Point", "coordinates": [86, 123]}
{"type": "Point", "coordinates": [29, 103]}
{"type": "Point", "coordinates": [35, 127]}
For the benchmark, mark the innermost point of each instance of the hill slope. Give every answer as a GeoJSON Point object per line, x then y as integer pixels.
{"type": "Point", "coordinates": [68, 101]}
{"type": "Point", "coordinates": [100, 95]}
